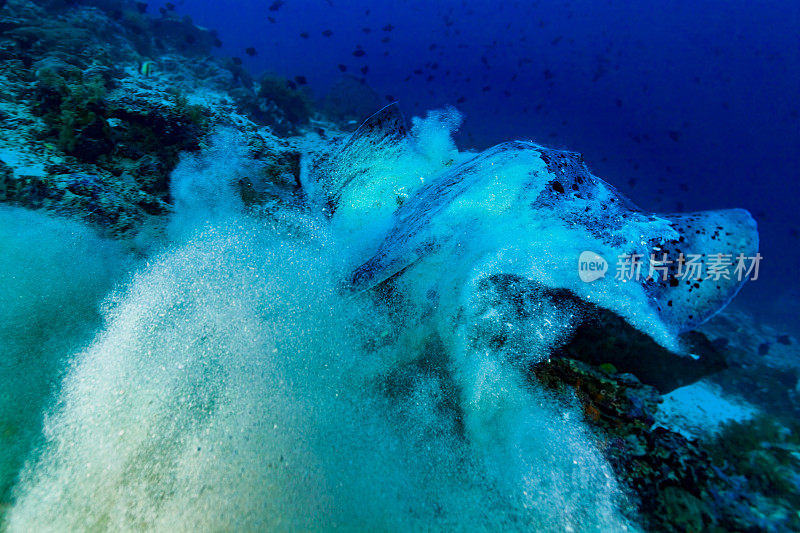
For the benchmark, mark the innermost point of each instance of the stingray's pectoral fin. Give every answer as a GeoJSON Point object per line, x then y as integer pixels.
{"type": "Point", "coordinates": [379, 138]}
{"type": "Point", "coordinates": [386, 126]}
{"type": "Point", "coordinates": [706, 266]}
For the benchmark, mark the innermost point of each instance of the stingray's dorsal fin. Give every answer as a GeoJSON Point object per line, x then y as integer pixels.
{"type": "Point", "coordinates": [684, 301]}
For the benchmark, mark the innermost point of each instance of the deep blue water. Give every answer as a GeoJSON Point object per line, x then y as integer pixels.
{"type": "Point", "coordinates": [683, 106]}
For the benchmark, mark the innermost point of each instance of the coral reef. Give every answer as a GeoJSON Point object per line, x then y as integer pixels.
{"type": "Point", "coordinates": [94, 136]}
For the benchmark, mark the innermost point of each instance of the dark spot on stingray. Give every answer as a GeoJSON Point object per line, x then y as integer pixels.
{"type": "Point", "coordinates": [327, 33]}
{"type": "Point", "coordinates": [669, 303]}
{"type": "Point", "coordinates": [673, 282]}
{"type": "Point", "coordinates": [763, 348]}
{"type": "Point", "coordinates": [342, 68]}
{"type": "Point", "coordinates": [251, 51]}
{"type": "Point", "coordinates": [276, 5]}
{"type": "Point", "coordinates": [558, 187]}
{"type": "Point", "coordinates": [784, 339]}
{"type": "Point", "coordinates": [674, 135]}
{"type": "Point", "coordinates": [720, 343]}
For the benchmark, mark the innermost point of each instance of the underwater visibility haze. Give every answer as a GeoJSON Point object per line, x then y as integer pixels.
{"type": "Point", "coordinates": [368, 266]}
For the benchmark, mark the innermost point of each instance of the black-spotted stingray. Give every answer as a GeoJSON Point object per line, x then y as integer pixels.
{"type": "Point", "coordinates": [490, 242]}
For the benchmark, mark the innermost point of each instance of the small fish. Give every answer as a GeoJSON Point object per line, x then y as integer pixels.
{"type": "Point", "coordinates": [763, 348]}
{"type": "Point", "coordinates": [327, 33]}
{"type": "Point", "coordinates": [674, 135]}
{"type": "Point", "coordinates": [236, 60]}
{"type": "Point", "coordinates": [304, 35]}
{"type": "Point", "coordinates": [271, 20]}
{"type": "Point", "coordinates": [386, 39]}
{"type": "Point", "coordinates": [147, 68]}
{"type": "Point", "coordinates": [301, 80]}
{"type": "Point", "coordinates": [359, 52]}
{"type": "Point", "coordinates": [342, 68]}
{"type": "Point", "coordinates": [388, 27]}
{"type": "Point", "coordinates": [364, 69]}
{"type": "Point", "coordinates": [784, 339]}
{"type": "Point", "coordinates": [141, 7]}
{"type": "Point", "coordinates": [366, 30]}
{"type": "Point", "coordinates": [276, 5]}
{"type": "Point", "coordinates": [251, 51]}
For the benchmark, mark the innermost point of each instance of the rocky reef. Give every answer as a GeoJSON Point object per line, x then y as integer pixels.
{"type": "Point", "coordinates": [99, 101]}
